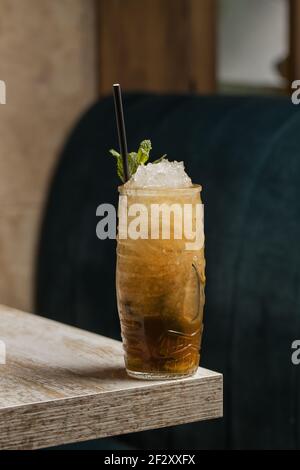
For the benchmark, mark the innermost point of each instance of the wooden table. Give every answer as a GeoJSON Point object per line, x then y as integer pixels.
{"type": "Point", "coordinates": [61, 384]}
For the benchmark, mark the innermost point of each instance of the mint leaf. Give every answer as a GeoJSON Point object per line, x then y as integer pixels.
{"type": "Point", "coordinates": [132, 163]}
{"type": "Point", "coordinates": [160, 159]}
{"type": "Point", "coordinates": [134, 159]}
{"type": "Point", "coordinates": [120, 170]}
{"type": "Point", "coordinates": [114, 153]}
{"type": "Point", "coordinates": [144, 152]}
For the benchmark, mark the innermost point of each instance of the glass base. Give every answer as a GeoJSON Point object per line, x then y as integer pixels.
{"type": "Point", "coordinates": [158, 375]}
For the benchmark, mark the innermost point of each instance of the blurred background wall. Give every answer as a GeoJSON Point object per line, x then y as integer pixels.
{"type": "Point", "coordinates": [47, 59]}
{"type": "Point", "coordinates": [253, 39]}
{"type": "Point", "coordinates": [58, 56]}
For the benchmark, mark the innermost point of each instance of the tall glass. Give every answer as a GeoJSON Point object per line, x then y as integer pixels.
{"type": "Point", "coordinates": [160, 282]}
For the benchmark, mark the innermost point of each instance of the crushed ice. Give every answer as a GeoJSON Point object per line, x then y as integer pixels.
{"type": "Point", "coordinates": [164, 174]}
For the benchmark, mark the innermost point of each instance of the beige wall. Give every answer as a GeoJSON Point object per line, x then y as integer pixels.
{"type": "Point", "coordinates": [47, 61]}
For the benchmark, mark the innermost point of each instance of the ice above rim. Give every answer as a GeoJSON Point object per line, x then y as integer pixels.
{"type": "Point", "coordinates": [164, 174]}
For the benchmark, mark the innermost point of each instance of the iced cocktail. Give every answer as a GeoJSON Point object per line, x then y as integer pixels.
{"type": "Point", "coordinates": [160, 272]}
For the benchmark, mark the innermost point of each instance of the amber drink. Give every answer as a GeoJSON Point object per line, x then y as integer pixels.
{"type": "Point", "coordinates": [160, 283]}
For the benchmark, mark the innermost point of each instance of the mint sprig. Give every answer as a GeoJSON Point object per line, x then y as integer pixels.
{"type": "Point", "coordinates": [134, 159]}
{"type": "Point", "coordinates": [120, 170]}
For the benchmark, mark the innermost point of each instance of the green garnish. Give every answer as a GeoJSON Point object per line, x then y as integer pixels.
{"type": "Point", "coordinates": [160, 159]}
{"type": "Point", "coordinates": [134, 159]}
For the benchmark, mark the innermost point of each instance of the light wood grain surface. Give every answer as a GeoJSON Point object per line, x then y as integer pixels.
{"type": "Point", "coordinates": [61, 384]}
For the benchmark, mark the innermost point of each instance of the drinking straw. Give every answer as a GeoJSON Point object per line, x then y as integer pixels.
{"type": "Point", "coordinates": [121, 129]}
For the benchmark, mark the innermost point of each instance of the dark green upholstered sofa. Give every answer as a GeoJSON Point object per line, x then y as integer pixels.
{"type": "Point", "coordinates": [245, 151]}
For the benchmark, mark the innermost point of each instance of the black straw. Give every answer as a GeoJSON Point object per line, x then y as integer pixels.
{"type": "Point", "coordinates": [121, 129]}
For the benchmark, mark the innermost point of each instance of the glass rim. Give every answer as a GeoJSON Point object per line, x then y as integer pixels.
{"type": "Point", "coordinates": [152, 191]}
